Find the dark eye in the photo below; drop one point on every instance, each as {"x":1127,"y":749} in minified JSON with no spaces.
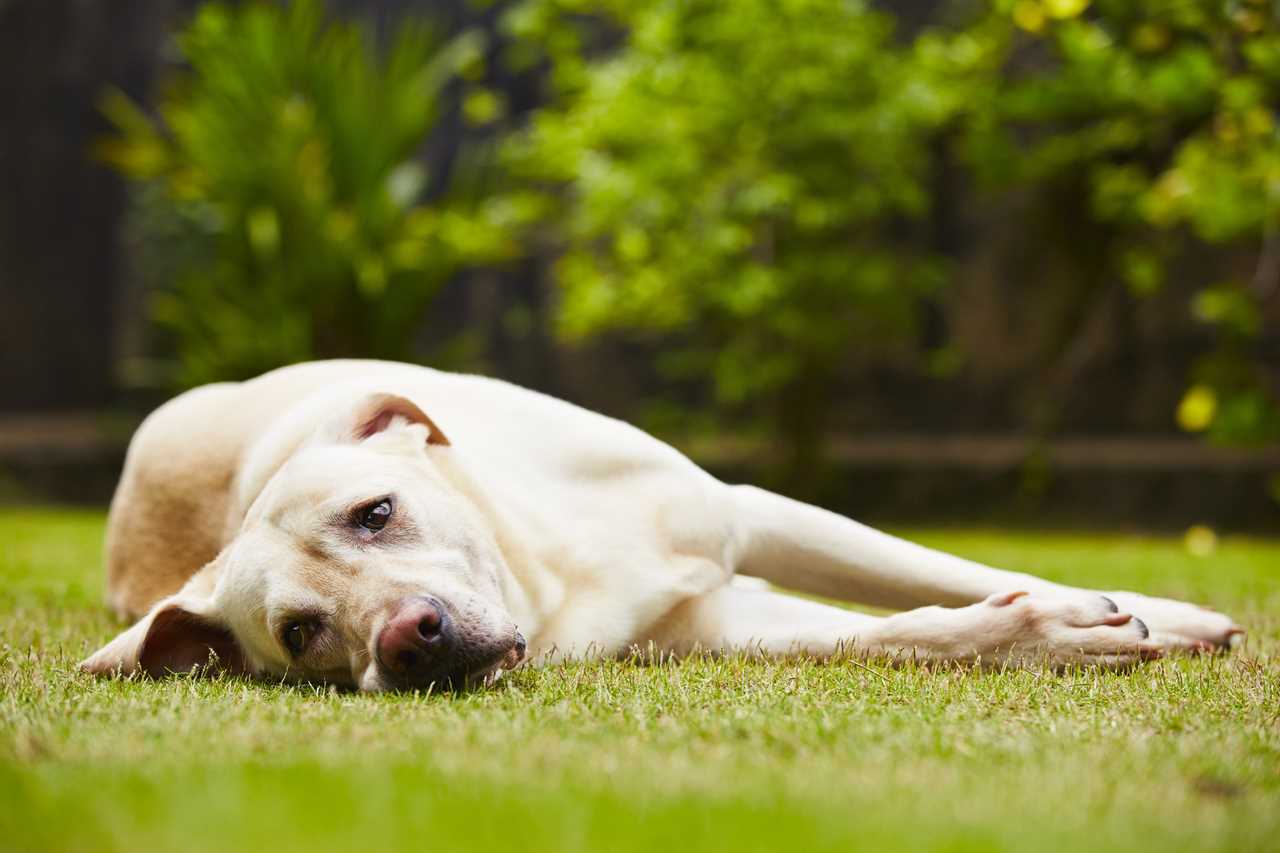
{"x":375,"y":516}
{"x":297,"y":636}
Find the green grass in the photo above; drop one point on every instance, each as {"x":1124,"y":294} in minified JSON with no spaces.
{"x":708,"y":754}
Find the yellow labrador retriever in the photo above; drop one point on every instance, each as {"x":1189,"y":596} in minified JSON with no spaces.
{"x":389,"y":526}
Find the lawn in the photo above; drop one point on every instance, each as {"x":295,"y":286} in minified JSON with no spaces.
{"x":707,"y":754}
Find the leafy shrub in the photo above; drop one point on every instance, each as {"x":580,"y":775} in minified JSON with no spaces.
{"x":752,"y":174}
{"x":1165,"y":115}
{"x":285,"y":168}
{"x":751,"y":181}
{"x":742,"y":175}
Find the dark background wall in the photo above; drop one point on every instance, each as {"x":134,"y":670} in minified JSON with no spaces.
{"x":60,"y":254}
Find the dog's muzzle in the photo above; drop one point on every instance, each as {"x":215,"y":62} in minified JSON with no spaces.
{"x":421,"y":645}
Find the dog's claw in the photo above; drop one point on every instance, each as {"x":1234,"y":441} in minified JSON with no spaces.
{"x":1180,"y":626}
{"x":1003,"y":599}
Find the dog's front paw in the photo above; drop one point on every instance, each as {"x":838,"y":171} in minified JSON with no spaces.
{"x":1177,"y":625}
{"x":1088,"y":630}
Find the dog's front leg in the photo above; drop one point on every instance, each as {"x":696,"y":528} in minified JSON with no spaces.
{"x":809,"y":549}
{"x":1004,"y":629}
{"x":1011,"y":628}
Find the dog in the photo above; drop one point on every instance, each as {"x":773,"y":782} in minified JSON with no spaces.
{"x":385,"y":526}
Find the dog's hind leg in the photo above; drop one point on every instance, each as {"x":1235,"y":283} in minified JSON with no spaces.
{"x":808,"y":549}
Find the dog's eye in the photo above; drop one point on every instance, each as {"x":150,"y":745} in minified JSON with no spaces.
{"x":375,"y":516}
{"x":297,"y":636}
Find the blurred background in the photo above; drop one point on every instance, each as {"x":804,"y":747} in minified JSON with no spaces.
{"x":982,"y":260}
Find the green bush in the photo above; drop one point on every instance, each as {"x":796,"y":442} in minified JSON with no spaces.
{"x":1164,"y":115}
{"x":751,"y":182}
{"x":749,"y":174}
{"x":285,"y":171}
{"x":743,"y":176}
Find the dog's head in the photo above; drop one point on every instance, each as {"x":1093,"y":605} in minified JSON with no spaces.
{"x":359,"y":562}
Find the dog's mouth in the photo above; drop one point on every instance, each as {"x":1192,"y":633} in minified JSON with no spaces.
{"x":488,"y":677}
{"x":488,"y":674}
{"x":473,"y":671}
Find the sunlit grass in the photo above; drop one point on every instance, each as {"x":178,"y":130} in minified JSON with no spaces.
{"x":707,"y":754}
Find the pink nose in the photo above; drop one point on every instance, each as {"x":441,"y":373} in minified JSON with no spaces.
{"x":417,"y":638}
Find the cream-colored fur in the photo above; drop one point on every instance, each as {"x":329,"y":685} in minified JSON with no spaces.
{"x":527,"y":516}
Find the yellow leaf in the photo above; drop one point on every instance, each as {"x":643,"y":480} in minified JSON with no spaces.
{"x":1197,"y":409}
{"x":1029,"y":15}
{"x":1063,"y":9}
{"x":482,"y":106}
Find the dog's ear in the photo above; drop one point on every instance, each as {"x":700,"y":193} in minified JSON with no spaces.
{"x":173,"y":638}
{"x":377,"y":412}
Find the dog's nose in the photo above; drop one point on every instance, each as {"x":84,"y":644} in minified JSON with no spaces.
{"x":417,"y":638}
